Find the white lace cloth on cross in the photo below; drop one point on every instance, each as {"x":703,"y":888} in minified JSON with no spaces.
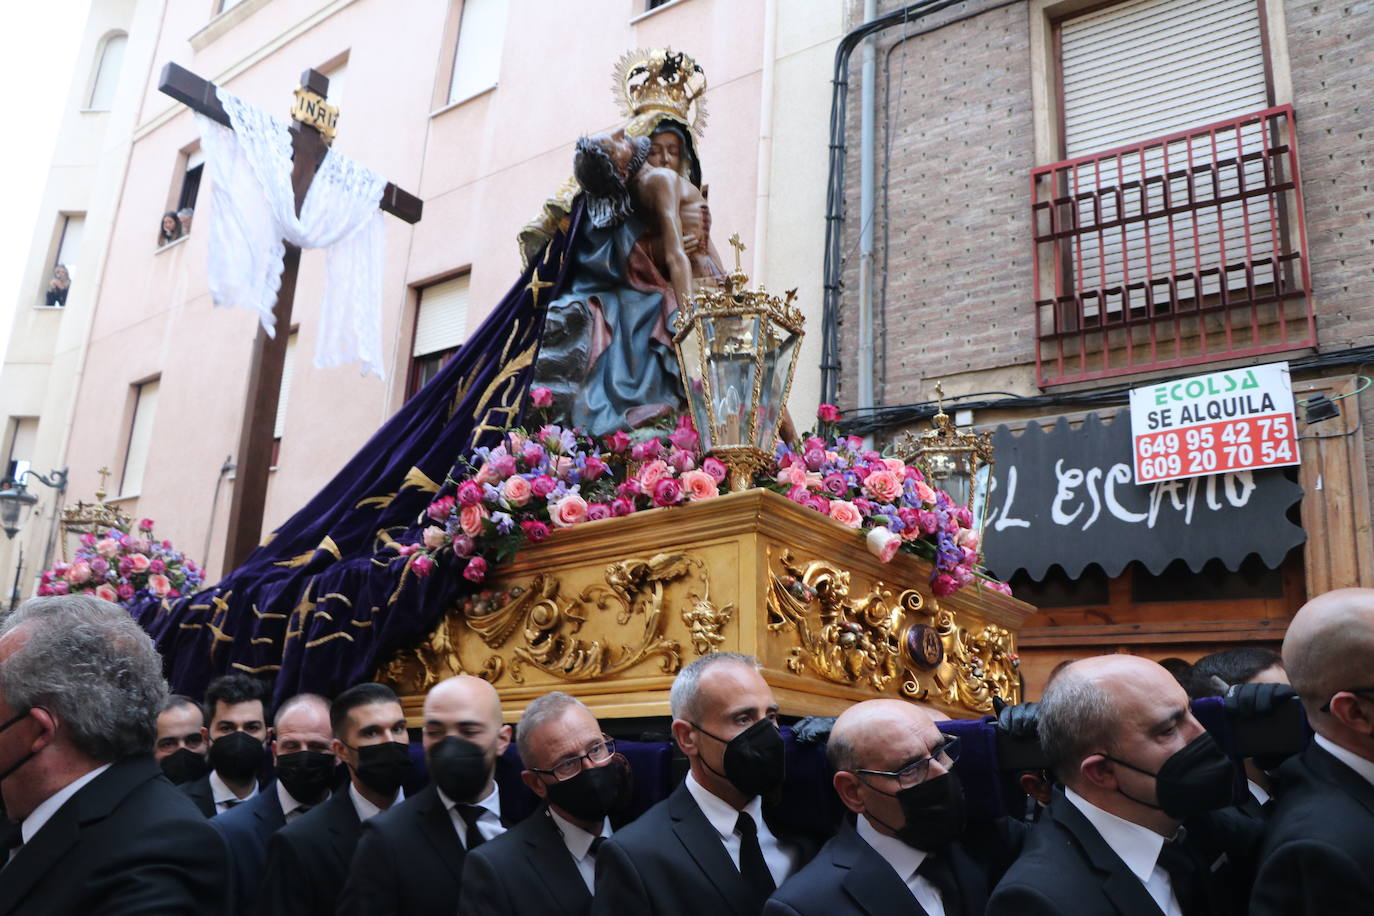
{"x":254,"y":213}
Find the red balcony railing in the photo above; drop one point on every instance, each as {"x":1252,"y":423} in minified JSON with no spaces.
{"x":1184,"y":249}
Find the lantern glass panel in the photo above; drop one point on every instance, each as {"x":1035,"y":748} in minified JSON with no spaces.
{"x":779,"y":351}
{"x":693,"y":373}
{"x":731,"y":361}
{"x":949,"y":472}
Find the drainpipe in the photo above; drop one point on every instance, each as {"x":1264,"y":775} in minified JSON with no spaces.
{"x":764,"y":178}
{"x":868,"y":101}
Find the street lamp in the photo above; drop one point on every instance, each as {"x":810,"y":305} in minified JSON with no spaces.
{"x":958,"y":463}
{"x":16,"y":501}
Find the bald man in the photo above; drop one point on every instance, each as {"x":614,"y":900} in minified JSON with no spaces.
{"x":1135,"y":765}
{"x":895,"y":771}
{"x":410,"y":859}
{"x":1319,"y":854}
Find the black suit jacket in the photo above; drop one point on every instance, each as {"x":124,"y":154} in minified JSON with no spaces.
{"x":1067,"y":867}
{"x":308,"y":859}
{"x":527,"y":870}
{"x":126,"y":842}
{"x":409,"y":861}
{"x":849,"y":877}
{"x":1319,"y":854}
{"x":671,"y":861}
{"x":199,"y":792}
{"x":247,"y":829}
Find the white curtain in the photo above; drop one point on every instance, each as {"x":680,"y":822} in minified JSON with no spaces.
{"x":254,"y":213}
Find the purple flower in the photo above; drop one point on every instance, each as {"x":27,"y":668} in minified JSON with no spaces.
{"x":503,"y":522}
{"x":598,"y":511}
{"x":463,"y":546}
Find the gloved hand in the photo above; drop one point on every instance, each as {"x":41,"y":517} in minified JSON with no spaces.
{"x":813,"y":729}
{"x":1019,"y":721}
{"x":1247,"y":701}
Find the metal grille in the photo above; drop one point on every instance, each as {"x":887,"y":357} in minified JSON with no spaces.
{"x":1183,"y":249}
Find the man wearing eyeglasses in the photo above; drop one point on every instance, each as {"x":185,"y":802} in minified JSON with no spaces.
{"x":547,"y":863}
{"x":410,"y":859}
{"x":1318,"y":856}
{"x":896,"y":772}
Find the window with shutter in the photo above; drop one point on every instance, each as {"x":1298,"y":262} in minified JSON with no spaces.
{"x":140,"y":438}
{"x":440,"y":326}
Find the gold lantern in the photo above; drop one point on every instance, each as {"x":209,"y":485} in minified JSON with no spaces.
{"x":960,"y":463}
{"x":737,"y":350}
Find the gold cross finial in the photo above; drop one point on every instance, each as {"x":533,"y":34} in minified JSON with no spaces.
{"x":739,"y":249}
{"x":104,"y":473}
{"x":940,"y":391}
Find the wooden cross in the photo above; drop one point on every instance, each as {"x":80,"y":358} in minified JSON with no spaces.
{"x":254,"y":458}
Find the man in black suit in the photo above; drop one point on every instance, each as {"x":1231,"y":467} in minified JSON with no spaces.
{"x":1134,"y":764}
{"x":895,"y":771}
{"x":98,"y":827}
{"x":180,"y":748}
{"x":707,"y":848}
{"x":410,"y":859}
{"x":308,"y":860}
{"x":303,"y":753}
{"x":546,"y":864}
{"x":237,"y":742}
{"x":1318,"y":856}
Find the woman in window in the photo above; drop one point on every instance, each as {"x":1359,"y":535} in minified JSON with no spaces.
{"x":57,"y":287}
{"x":171,"y":227}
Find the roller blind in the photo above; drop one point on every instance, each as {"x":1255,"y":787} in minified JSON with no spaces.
{"x":288,"y":372}
{"x":443,"y":316}
{"x":140,"y":439}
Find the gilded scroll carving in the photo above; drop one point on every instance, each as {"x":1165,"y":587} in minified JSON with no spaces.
{"x":977,"y":665}
{"x":413,"y":671}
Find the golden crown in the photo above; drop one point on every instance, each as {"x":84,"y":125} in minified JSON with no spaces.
{"x":655,"y":82}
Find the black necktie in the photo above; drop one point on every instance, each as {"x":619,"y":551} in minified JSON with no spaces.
{"x":229,"y":803}
{"x":1185,"y":876}
{"x":596,"y":846}
{"x":751,"y":863}
{"x":470,"y":814}
{"x":936,"y":870}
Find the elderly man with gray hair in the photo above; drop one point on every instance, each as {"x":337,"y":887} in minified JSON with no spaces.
{"x":1318,"y":856}
{"x":546,"y":863}
{"x":99,"y":829}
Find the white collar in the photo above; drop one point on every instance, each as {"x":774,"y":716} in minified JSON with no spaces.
{"x":40,"y":815}
{"x":575,"y":838}
{"x":287,"y":800}
{"x":364,"y":807}
{"x":221,"y":793}
{"x":1348,"y":757}
{"x":492,"y":801}
{"x":904,"y":859}
{"x":1137,"y":846}
{"x":1258,"y":792}
{"x":720,"y":813}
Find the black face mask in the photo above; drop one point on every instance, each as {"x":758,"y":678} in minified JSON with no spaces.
{"x":933,"y":812}
{"x":384,"y":767}
{"x":459,"y":768}
{"x":184,"y":765}
{"x":1197,"y":777}
{"x":307,"y":775}
{"x":236,"y":756}
{"x":22,"y":760}
{"x":595,"y":792}
{"x":753,"y":759}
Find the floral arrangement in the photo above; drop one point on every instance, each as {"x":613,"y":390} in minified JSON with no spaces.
{"x":537,"y":482}
{"x":121,"y":567}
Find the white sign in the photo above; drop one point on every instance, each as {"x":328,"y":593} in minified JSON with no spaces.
{"x":1236,"y":420}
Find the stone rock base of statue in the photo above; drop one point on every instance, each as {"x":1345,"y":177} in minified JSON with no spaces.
{"x":610,"y":611}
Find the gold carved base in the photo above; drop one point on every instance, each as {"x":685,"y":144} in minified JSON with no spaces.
{"x":611,"y":610}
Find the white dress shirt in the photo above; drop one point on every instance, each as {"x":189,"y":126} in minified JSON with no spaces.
{"x":1257,"y":792}
{"x":905,"y":860}
{"x":48,"y":807}
{"x":579,"y":843}
{"x":1137,"y":846}
{"x":1357,"y":763}
{"x":365,"y":808}
{"x":723,"y":816}
{"x":290,"y":808}
{"x":488,"y":823}
{"x":225,"y":797}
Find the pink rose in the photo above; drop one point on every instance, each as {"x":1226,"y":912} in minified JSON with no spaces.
{"x":699,"y":485}
{"x":968,"y":538}
{"x":835,"y":484}
{"x":107,"y":547}
{"x":79,"y":573}
{"x":667,"y":492}
{"x":560,"y":465}
{"x":652,"y":473}
{"x":139,"y":562}
{"x":532,"y":454}
{"x":883,"y":544}
{"x":516,"y":490}
{"x":828,"y":413}
{"x":896,"y":466}
{"x":924,"y":493}
{"x":126,"y":566}
{"x":792,"y":476}
{"x":813,"y":443}
{"x":965,"y":516}
{"x":541,"y":397}
{"x":597,"y":511}
{"x":629,"y":489}
{"x":682,"y":461}
{"x":476,"y":570}
{"x":471,"y":518}
{"x":107,"y":593}
{"x":813,"y":481}
{"x":543,"y":485}
{"x":715,"y":468}
{"x":884,"y":486}
{"x":504,"y":465}
{"x":441,"y":508}
{"x":125,"y":591}
{"x":469,"y":493}
{"x":463,"y":546}
{"x":88,"y":540}
{"x":942,"y":586}
{"x":620,"y":506}
{"x":406,"y":550}
{"x":44,"y":590}
{"x":846,"y":513}
{"x":568,"y":511}
{"x":617,"y":441}
{"x":486,"y":474}
{"x":593,"y":468}
{"x":798,"y":495}
{"x":145,"y":524}
{"x":422,"y":564}
{"x":814,"y":458}
{"x":685,"y":438}
{"x":435,"y":537}
{"x":60,"y":588}
{"x":1000,"y":587}
{"x":160,"y":585}
{"x":645,"y":451}
{"x":817,"y":504}
{"x":535,"y":531}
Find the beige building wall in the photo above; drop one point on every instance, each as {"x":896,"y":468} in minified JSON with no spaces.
{"x":483,"y":167}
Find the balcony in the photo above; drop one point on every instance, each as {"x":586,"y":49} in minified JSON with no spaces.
{"x":1176,"y":251}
